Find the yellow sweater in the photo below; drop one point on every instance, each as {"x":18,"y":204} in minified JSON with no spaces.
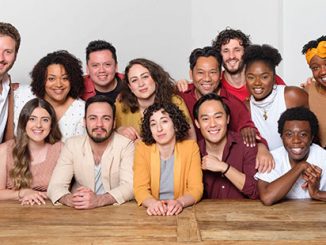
{"x":129,"y":119}
{"x":187,"y":171}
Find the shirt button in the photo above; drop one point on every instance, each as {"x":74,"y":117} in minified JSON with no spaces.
{"x":223,"y":186}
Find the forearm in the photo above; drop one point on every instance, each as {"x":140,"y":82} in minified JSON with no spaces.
{"x":276,"y":190}
{"x":7,"y":194}
{"x":236,"y":177}
{"x":67,"y":200}
{"x":320,"y":195}
{"x":105,"y":199}
{"x":148,"y":202}
{"x":186,"y":200}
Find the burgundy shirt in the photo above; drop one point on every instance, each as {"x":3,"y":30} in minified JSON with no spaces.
{"x":239,"y":114}
{"x":238,"y":156}
{"x":90,"y":91}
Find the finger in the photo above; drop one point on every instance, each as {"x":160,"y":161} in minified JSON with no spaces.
{"x":149,"y":212}
{"x":161,"y":209}
{"x":245,"y":140}
{"x":174,"y":209}
{"x":40,"y":199}
{"x":43,"y":195}
{"x":257,"y":163}
{"x":251,"y":135}
{"x":178,"y":211}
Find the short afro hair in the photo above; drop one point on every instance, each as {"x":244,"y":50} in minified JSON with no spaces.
{"x":177,"y":116}
{"x":265,"y":53}
{"x":299,"y":114}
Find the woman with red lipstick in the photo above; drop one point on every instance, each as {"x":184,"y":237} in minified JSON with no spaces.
{"x":27,"y":162}
{"x":268,"y":100}
{"x":145,"y":83}
{"x":167,"y":168}
{"x":58,"y":79}
{"x":315,"y":52}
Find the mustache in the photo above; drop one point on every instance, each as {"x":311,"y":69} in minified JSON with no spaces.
{"x":94,"y":129}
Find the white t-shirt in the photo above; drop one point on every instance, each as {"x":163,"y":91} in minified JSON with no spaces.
{"x":4,"y":105}
{"x":317,"y":156}
{"x":70,"y":124}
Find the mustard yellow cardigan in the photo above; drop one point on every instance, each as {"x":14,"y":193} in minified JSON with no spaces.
{"x":187,"y":171}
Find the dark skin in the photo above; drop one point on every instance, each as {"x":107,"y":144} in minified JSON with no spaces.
{"x":296,"y":135}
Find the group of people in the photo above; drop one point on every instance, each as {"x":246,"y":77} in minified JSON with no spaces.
{"x":105,"y":138}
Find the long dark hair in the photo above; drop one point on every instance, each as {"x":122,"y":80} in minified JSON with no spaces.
{"x":165,"y":87}
{"x":21,"y":174}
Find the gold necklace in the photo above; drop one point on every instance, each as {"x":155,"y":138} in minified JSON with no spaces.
{"x":265,"y":115}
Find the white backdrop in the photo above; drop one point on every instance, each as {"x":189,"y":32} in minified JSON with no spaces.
{"x":162,"y":30}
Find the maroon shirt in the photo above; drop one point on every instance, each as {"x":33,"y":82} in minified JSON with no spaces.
{"x":238,"y":156}
{"x":239,"y":114}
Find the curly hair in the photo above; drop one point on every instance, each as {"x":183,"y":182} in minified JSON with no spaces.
{"x":312,"y":44}
{"x":165,"y":87}
{"x":299,"y":114}
{"x":265,"y":53}
{"x":181,"y":126}
{"x":21,"y":174}
{"x":7,"y":29}
{"x":226,"y":35}
{"x":98,"y":45}
{"x":72,"y":65}
{"x":204,"y":52}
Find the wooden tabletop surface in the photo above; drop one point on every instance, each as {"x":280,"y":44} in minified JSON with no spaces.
{"x":209,"y":222}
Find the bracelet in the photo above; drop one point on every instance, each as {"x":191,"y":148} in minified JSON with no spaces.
{"x":226,"y":170}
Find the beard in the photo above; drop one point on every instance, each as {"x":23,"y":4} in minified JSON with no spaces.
{"x":235,"y":71}
{"x":99,"y":139}
{"x":2,"y":73}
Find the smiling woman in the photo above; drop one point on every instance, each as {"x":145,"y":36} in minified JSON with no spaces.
{"x":267,"y":99}
{"x":27,"y":162}
{"x":145,"y":83}
{"x":58,"y":79}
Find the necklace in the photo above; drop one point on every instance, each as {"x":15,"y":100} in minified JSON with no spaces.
{"x":266,"y":103}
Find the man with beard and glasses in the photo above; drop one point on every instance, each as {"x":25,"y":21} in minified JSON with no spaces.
{"x":100,"y":162}
{"x":9,"y":45}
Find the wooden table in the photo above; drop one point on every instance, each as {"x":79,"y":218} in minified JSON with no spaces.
{"x":206,"y":223}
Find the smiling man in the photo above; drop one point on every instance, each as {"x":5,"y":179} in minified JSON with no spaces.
{"x":299,"y":163}
{"x":9,"y":45}
{"x":232,"y":44}
{"x":100,"y":162}
{"x":102,"y":69}
{"x":228,"y":165}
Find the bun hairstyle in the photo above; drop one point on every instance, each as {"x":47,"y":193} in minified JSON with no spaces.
{"x":266,"y":53}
